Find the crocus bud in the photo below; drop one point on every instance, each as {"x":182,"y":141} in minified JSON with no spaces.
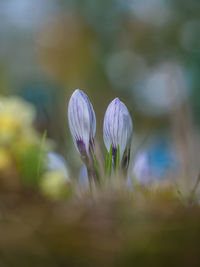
{"x":82,"y":122}
{"x":117,"y":131}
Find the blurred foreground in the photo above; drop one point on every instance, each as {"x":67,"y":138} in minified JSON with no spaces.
{"x":115,"y":228}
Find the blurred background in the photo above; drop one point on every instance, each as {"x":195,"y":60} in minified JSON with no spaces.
{"x":145,"y":52}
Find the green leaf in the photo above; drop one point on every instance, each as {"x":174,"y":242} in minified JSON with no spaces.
{"x":29,"y":159}
{"x":117,"y":159}
{"x":44,"y":136}
{"x":109,"y":161}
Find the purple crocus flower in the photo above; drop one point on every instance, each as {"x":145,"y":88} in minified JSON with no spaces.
{"x":117,"y":130}
{"x":82,"y":122}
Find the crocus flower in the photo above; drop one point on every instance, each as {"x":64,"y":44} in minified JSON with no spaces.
{"x":117,"y":130}
{"x":82,"y":122}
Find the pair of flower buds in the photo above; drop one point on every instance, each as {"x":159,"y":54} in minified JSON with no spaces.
{"x":117,"y":128}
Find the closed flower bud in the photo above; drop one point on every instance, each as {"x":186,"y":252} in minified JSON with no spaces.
{"x":117,"y":131}
{"x":82,"y":122}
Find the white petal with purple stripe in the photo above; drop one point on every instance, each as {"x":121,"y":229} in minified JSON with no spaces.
{"x":117,"y":127}
{"x":82,"y":121}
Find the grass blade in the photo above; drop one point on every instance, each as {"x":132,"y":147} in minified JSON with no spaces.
{"x":44,"y":136}
{"x":109,"y":161}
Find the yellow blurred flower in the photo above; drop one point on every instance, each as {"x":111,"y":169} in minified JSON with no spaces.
{"x":5,"y":159}
{"x":20,"y":142}
{"x":54,"y":185}
{"x":15,"y":117}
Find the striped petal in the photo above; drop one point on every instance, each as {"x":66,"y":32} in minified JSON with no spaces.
{"x":82,"y":121}
{"x":117,"y":127}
